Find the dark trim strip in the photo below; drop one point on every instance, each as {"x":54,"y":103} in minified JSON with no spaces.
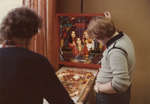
{"x":111,"y":41}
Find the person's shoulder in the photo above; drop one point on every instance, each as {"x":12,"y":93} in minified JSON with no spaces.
{"x":125,"y":36}
{"x":34,"y":55}
{"x":38,"y":55}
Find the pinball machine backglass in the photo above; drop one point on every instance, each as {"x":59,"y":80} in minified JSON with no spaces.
{"x":76,"y":48}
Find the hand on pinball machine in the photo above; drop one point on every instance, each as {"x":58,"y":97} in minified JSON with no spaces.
{"x":107,"y":14}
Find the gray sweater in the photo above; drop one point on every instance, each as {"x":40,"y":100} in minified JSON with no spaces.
{"x":117,"y":65}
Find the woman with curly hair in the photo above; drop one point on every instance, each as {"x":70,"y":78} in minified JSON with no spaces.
{"x":26,"y":77}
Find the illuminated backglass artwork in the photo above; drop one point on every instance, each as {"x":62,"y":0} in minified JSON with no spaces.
{"x":75,"y":45}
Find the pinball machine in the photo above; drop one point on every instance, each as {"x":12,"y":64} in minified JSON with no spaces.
{"x":79,"y":55}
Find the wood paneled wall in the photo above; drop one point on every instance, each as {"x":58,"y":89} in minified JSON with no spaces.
{"x":45,"y":42}
{"x":38,"y":43}
{"x":68,"y":6}
{"x":52,"y":37}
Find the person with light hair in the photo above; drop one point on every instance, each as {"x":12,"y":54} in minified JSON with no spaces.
{"x":114,"y":78}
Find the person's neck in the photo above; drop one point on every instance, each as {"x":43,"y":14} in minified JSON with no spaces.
{"x":21,"y":42}
{"x":116,"y":33}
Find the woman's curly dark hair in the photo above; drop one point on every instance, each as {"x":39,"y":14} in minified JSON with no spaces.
{"x":22,"y":23}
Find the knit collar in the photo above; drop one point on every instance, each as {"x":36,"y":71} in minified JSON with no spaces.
{"x":112,"y":40}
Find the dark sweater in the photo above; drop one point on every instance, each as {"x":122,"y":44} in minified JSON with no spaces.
{"x":27,"y":77}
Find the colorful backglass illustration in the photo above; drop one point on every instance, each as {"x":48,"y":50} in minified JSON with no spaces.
{"x":75,"y":43}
